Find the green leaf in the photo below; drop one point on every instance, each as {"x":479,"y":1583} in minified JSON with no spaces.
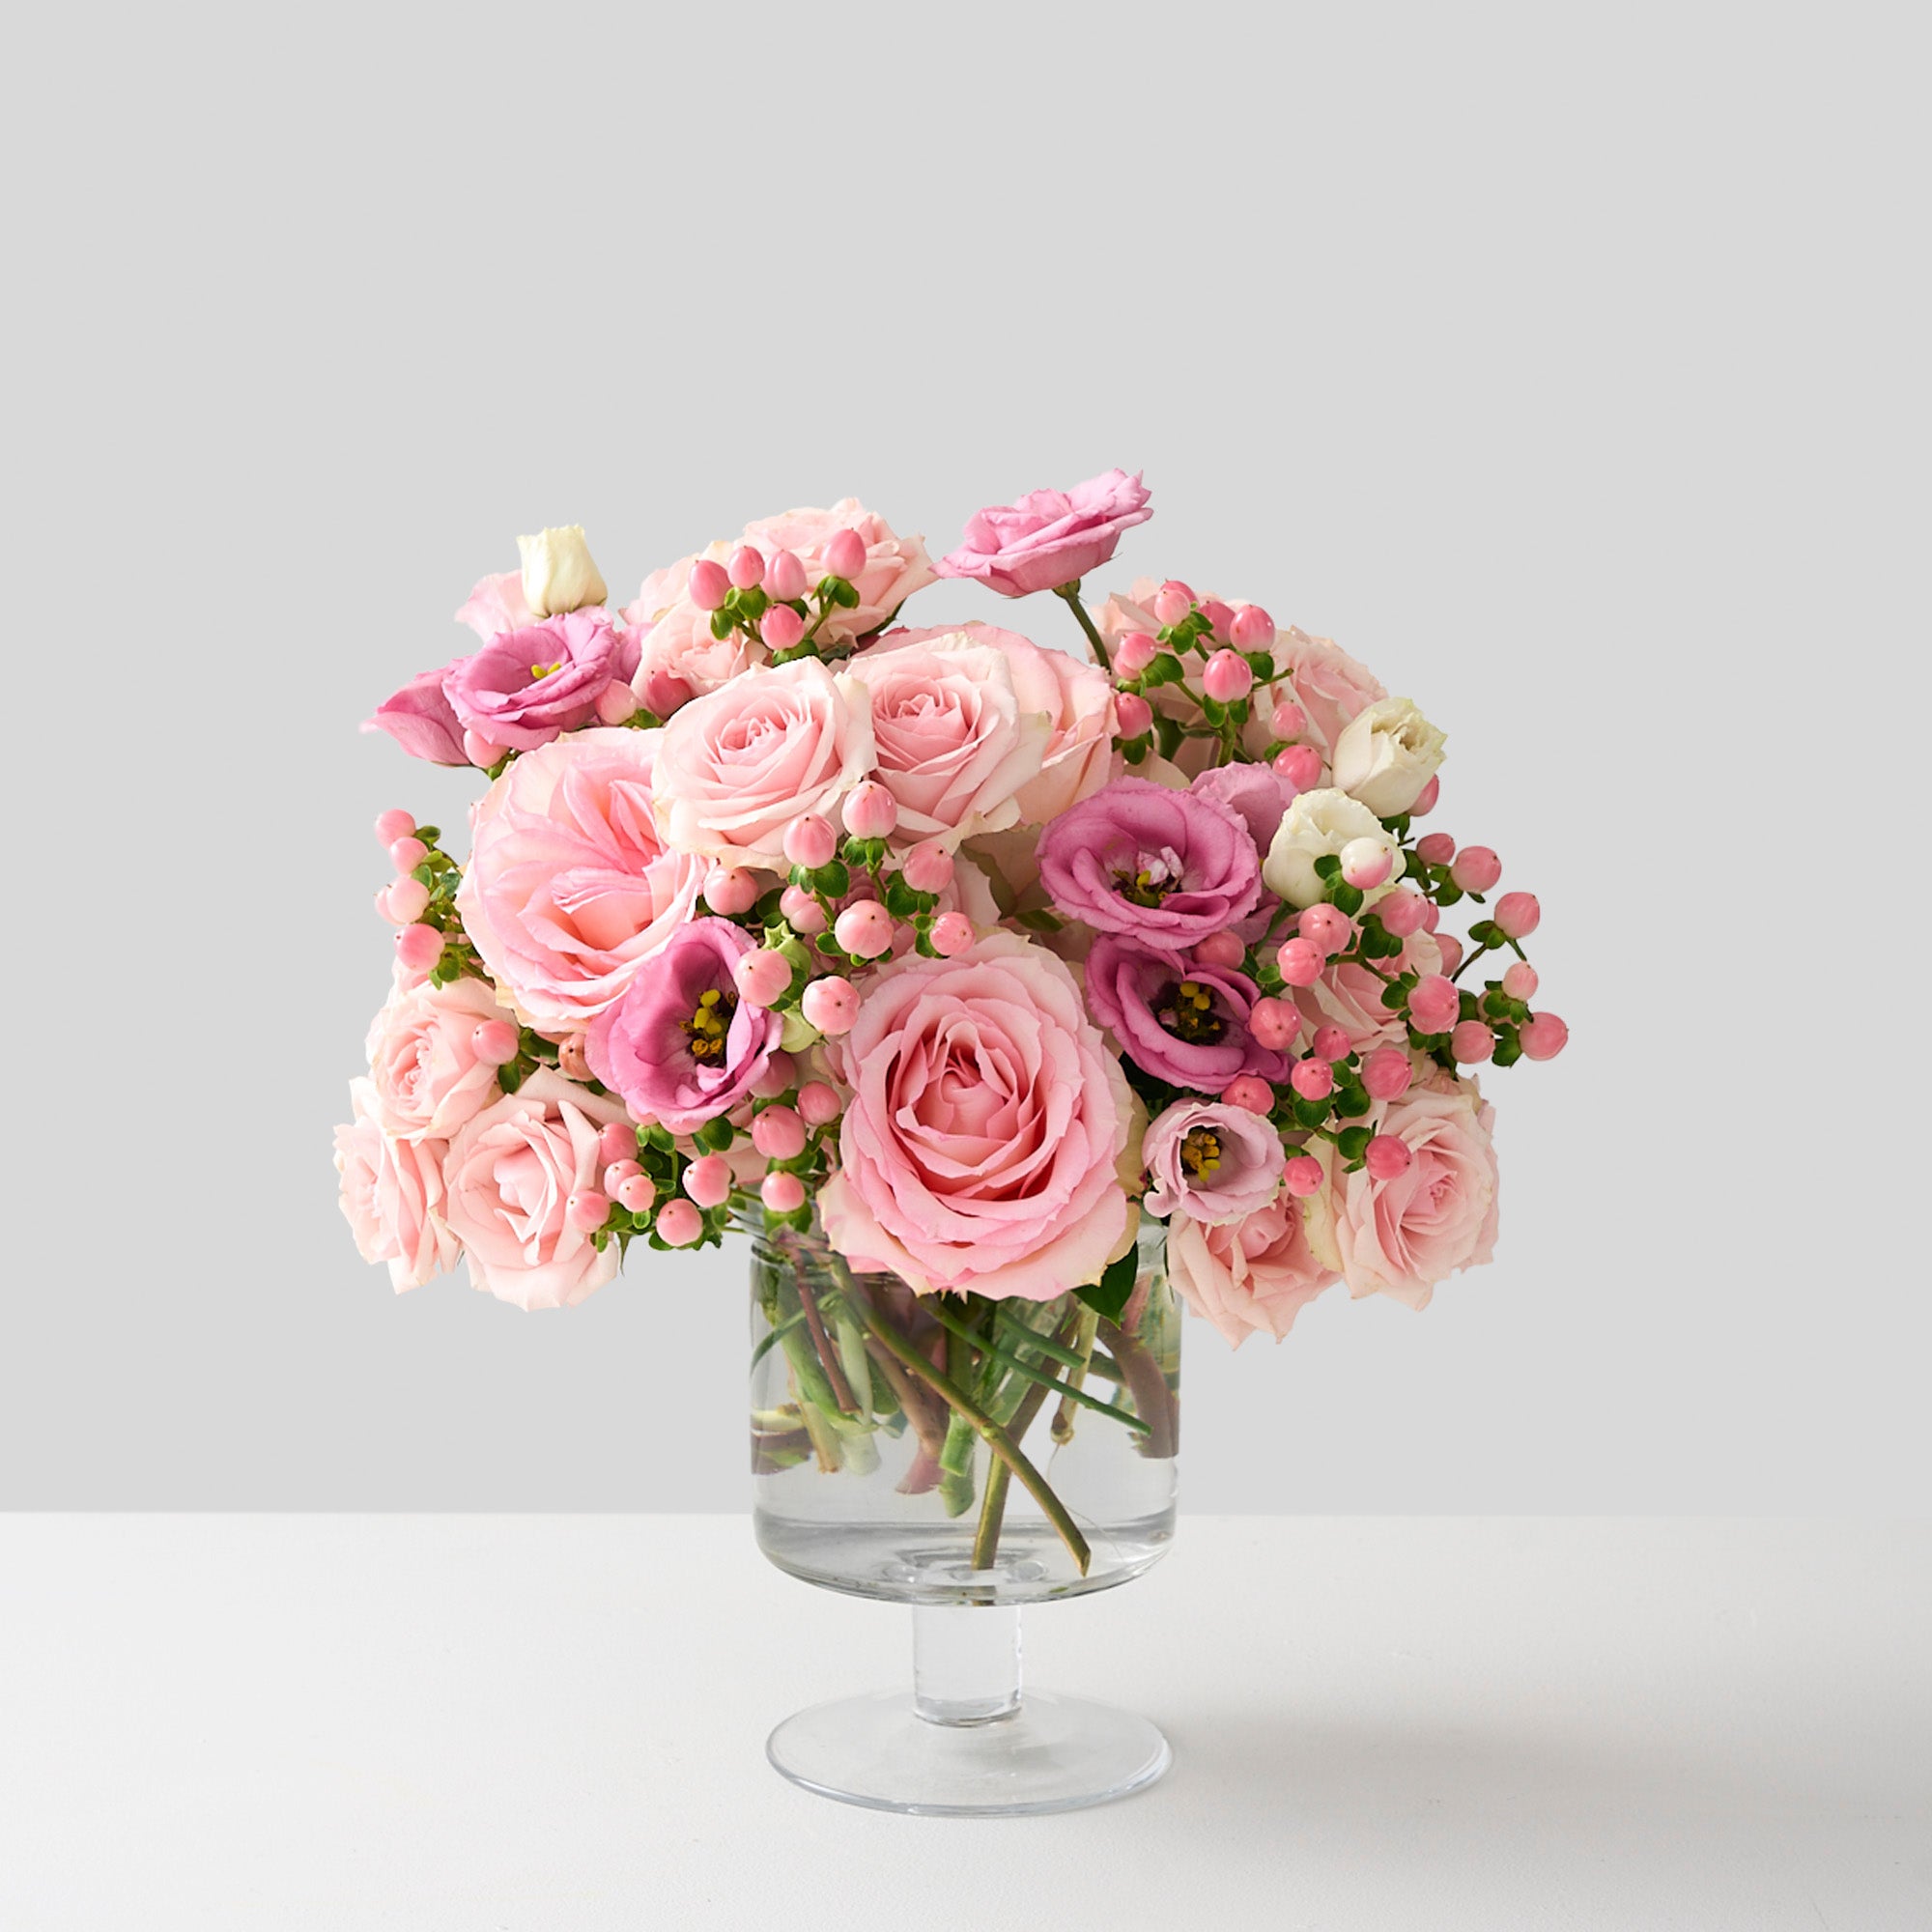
{"x":1346,"y":898}
{"x":1310,"y":1113}
{"x":1393,"y":998}
{"x":715,"y":1135}
{"x":1111,"y":1293}
{"x":1260,"y":664}
{"x":835,"y":881}
{"x":1327,"y":867}
{"x":510,"y":1077}
{"x":846,"y":595}
{"x":1352,"y":1143}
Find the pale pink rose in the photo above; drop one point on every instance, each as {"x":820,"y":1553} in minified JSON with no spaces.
{"x":571,"y":886}
{"x":951,"y":740}
{"x":509,"y":1172}
{"x":1329,"y":684}
{"x":675,"y":642}
{"x":894,"y":567}
{"x":1049,"y":537}
{"x":1349,"y":995}
{"x":392,"y":1193}
{"x":740,"y":765}
{"x":1249,"y":1277}
{"x":498,"y":605}
{"x":1403,"y":1236}
{"x":422,"y":1056}
{"x":988,"y":1128}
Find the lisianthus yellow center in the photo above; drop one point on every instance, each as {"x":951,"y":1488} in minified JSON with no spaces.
{"x":710,"y":1022}
{"x":544,"y":670}
{"x":1201,"y":1151}
{"x":1187,"y":1012}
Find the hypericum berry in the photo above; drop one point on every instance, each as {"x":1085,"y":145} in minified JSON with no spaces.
{"x":1432,"y":916}
{"x":1172,"y":600}
{"x":708,"y":584}
{"x":1300,"y":766}
{"x":1300,"y":962}
{"x":1402,"y":912}
{"x":392,"y":825}
{"x":1288,"y":719}
{"x":730,"y":890}
{"x":778,"y":1133}
{"x":586,"y":1211}
{"x":571,"y":1060}
{"x":407,"y":899}
{"x":1274,"y":1024}
{"x":1386,"y":1156}
{"x":418,"y":947}
{"x":781,"y":627}
{"x":1250,"y":1092}
{"x":746,"y":568}
{"x":1435,"y":848}
{"x":679,"y":1224}
{"x":830,"y":1004}
{"x":1519,"y":981}
{"x":762,"y":977}
{"x":1425,"y":798}
{"x":1327,"y":927}
{"x":780,"y":1076}
{"x":1544,"y":1037}
{"x":871,"y":811}
{"x":784,"y":578}
{"x":1387,"y":1074}
{"x":616,"y":1173}
{"x":1476,"y":868}
{"x":1220,"y":616}
{"x":665,"y":693}
{"x":496,"y":1042}
{"x":636,"y":1193}
{"x":616,"y":703}
{"x":865,"y":929}
{"x":1221,"y":948}
{"x":1312,"y":1079}
{"x":783,"y":1193}
{"x":844,"y":553}
{"x":1331,"y":1044}
{"x":818,"y":1104}
{"x":1133,"y":714}
{"x":951,"y":934}
{"x":708,"y":1180}
{"x":1433,"y":1004}
{"x":1517,"y":915}
{"x":618,"y":1142}
{"x":1451,"y":950}
{"x":810,"y":840}
{"x":803,"y":913}
{"x":1366,"y":862}
{"x":1303,"y":1175}
{"x":1228,"y":676}
{"x":1134,"y":653}
{"x":408,"y":853}
{"x":1471,"y":1043}
{"x":1253,"y":630}
{"x":482,"y":752}
{"x":928,"y":868}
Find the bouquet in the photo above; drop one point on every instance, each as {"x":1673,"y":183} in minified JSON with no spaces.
{"x":963,"y":954}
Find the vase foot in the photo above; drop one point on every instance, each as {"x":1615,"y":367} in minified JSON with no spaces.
{"x":1050,"y":1754}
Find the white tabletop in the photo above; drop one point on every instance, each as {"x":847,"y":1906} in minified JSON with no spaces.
{"x":558,"y":1723}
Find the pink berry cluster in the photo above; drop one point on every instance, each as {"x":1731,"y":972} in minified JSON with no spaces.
{"x":420,"y":900}
{"x":769,"y":598}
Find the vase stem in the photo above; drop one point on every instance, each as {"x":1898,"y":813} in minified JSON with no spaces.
{"x":965,"y":1662}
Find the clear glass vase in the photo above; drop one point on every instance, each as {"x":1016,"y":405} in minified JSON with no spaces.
{"x":964,"y":1456}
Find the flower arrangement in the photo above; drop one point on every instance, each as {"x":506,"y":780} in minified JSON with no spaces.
{"x":960,"y":951}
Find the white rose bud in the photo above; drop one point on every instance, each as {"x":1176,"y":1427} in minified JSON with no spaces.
{"x":558,"y":574}
{"x":1318,"y":823}
{"x":1385,"y":755}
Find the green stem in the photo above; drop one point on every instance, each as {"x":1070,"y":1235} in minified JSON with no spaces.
{"x":1021,"y":1366}
{"x":1148,"y":1387}
{"x":1070,"y":593}
{"x":828,"y":1356}
{"x":993,"y":1506}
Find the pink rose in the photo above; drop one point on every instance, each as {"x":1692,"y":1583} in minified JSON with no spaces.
{"x":1329,"y":684}
{"x":570,"y":886}
{"x":677,"y":648}
{"x":1049,"y":537}
{"x":497,"y":605}
{"x":1248,"y":1277}
{"x":508,"y":1174}
{"x":989,"y":1126}
{"x":422,"y":1057}
{"x":1404,"y":1236}
{"x":1214,"y":1163}
{"x":951,"y":742}
{"x":737,"y":767}
{"x":894,"y":566}
{"x":392,"y":1193}
{"x":1350,"y":996}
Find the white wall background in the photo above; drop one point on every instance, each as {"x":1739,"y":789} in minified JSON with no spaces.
{"x":1566,"y":364}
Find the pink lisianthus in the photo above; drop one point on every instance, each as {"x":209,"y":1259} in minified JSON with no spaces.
{"x":524,"y":687}
{"x":1248,"y":1277}
{"x":1256,"y":794}
{"x":1403,"y":1235}
{"x":497,"y":605}
{"x":1183,"y":1022}
{"x":680,"y":1045}
{"x":1349,"y":995}
{"x":1213,"y":1162}
{"x":392,"y":1193}
{"x":894,"y":566}
{"x":951,"y":742}
{"x":736,"y":768}
{"x":423,"y":1060}
{"x":1049,"y":537}
{"x":570,"y":886}
{"x":983,"y":1145}
{"x":420,"y":720}
{"x":509,"y":1174}
{"x":1329,"y":684}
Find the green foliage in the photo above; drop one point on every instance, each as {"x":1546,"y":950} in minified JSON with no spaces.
{"x":1111,"y":1293}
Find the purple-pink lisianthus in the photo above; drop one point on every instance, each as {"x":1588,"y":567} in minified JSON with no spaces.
{"x":1183,"y":1022}
{"x":419,"y":719}
{"x":680,"y":1045}
{"x":1216,"y":1163}
{"x":525,"y":687}
{"x":1049,"y":537}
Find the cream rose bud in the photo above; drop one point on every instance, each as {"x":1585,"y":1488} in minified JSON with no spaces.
{"x":1315,"y":824}
{"x":558,"y":574}
{"x":1385,"y":755}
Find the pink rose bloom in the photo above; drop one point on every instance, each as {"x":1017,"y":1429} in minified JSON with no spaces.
{"x":987,"y":1128}
{"x":1402,"y":1236}
{"x":524,"y":687}
{"x":681,"y":1046}
{"x":419,"y":719}
{"x":570,"y":886}
{"x":497,"y":605}
{"x":509,"y":1172}
{"x":736,"y":768}
{"x":393,"y":1194}
{"x":1213,"y":1162}
{"x":951,"y":742}
{"x":675,"y":646}
{"x":1248,"y":1277}
{"x":1350,"y":996}
{"x":422,"y":1057}
{"x":894,"y":566}
{"x":1329,"y":684}
{"x":1049,"y":537}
